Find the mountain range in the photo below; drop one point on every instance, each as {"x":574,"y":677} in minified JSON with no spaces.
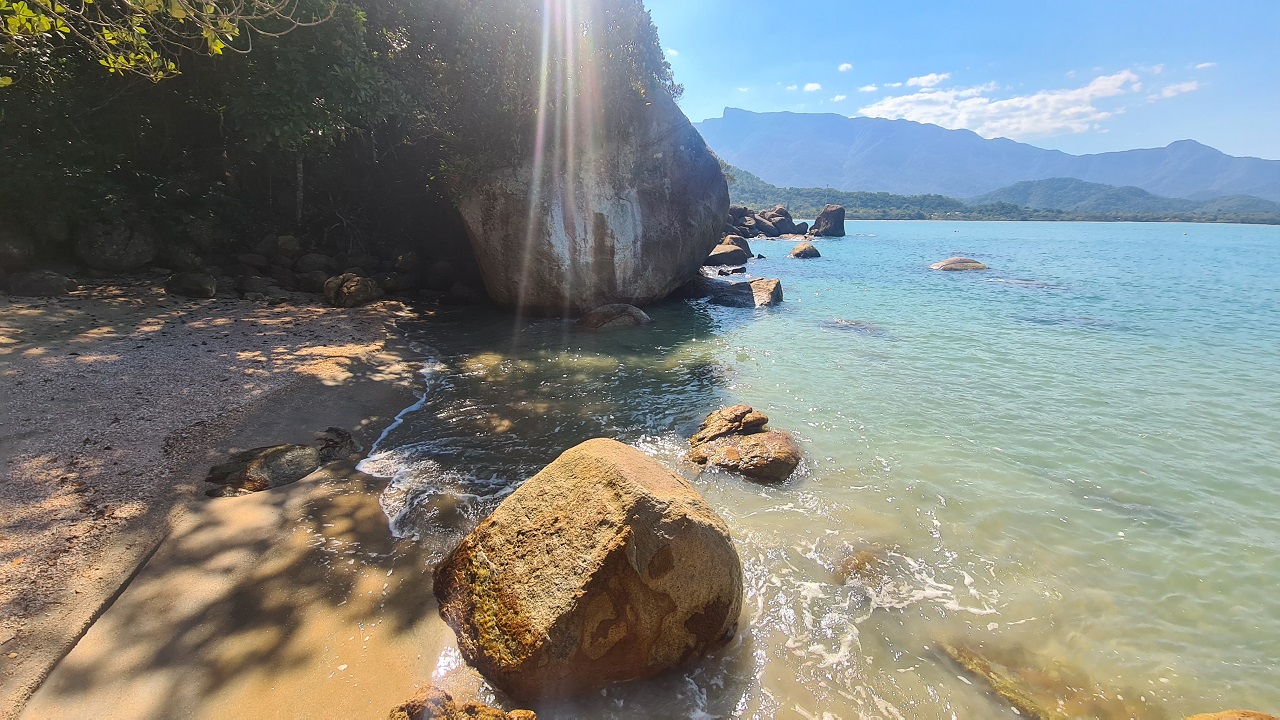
{"x":908,"y":158}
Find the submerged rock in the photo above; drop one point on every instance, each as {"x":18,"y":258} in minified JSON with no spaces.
{"x":1045,"y":690}
{"x":642,"y":213}
{"x":40,"y":283}
{"x":349,"y":290}
{"x":264,"y":468}
{"x":829,"y":223}
{"x":736,"y":439}
{"x":436,"y":704}
{"x":958,"y":263}
{"x":192,"y":284}
{"x":613,"y":316}
{"x":727,"y":255}
{"x":603,"y":567}
{"x":805,"y":250}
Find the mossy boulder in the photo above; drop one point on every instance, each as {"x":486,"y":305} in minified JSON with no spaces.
{"x":604,"y":567}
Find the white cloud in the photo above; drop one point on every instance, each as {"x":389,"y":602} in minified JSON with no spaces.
{"x":1158,"y":69}
{"x":1175,"y":90}
{"x":1206,"y":65}
{"x":792,"y":88}
{"x":672,"y":52}
{"x":812,"y":87}
{"x":845,"y":67}
{"x":868,"y":88}
{"x":893,"y":85}
{"x":746,"y":89}
{"x":839,"y":98}
{"x":1047,"y":112}
{"x":928,"y":81}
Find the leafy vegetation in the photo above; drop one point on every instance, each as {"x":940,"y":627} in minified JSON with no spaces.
{"x":747,"y":189}
{"x":1074,"y":195}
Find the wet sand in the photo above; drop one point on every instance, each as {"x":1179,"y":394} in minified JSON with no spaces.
{"x":117,"y":398}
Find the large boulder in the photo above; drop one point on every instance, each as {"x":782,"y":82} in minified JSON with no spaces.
{"x":312,"y":262}
{"x":758,"y":293}
{"x":623,"y":221}
{"x":616,"y":315}
{"x":192,"y":284}
{"x":737,"y":241}
{"x":829,"y":223}
{"x":805,"y":250}
{"x":116,"y":247}
{"x":738,"y":439}
{"x":958,"y":263}
{"x":264,"y":468}
{"x":40,"y":283}
{"x":603,"y":567}
{"x":349,"y":290}
{"x":727,"y":255}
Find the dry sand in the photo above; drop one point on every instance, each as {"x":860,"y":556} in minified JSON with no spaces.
{"x":113,"y":403}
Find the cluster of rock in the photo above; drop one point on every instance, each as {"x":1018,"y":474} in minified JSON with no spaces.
{"x":737,"y":438}
{"x":777,"y":222}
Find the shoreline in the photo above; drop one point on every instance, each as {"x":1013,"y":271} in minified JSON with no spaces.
{"x":118,"y":399}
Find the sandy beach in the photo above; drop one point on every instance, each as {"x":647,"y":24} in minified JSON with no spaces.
{"x":117,"y":399}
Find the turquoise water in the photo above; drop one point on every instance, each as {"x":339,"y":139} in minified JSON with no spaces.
{"x":1073,"y":456}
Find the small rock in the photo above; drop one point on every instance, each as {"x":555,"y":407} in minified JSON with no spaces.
{"x":805,"y":250}
{"x":347,"y":291}
{"x":735,"y":438}
{"x":727,"y":255}
{"x":41,"y":283}
{"x":616,"y":315}
{"x":829,"y":223}
{"x":337,"y":444}
{"x":265,"y":467}
{"x":958,"y":263}
{"x":436,"y":704}
{"x":192,"y":284}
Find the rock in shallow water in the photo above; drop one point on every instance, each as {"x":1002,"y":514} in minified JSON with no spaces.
{"x":958,"y":263}
{"x":265,"y":468}
{"x":616,"y":315}
{"x":805,"y":250}
{"x":727,"y":255}
{"x":436,"y":704}
{"x":603,"y":567}
{"x":829,"y":223}
{"x":735,"y":438}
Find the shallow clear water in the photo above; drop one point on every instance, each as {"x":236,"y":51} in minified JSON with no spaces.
{"x":1074,"y":455}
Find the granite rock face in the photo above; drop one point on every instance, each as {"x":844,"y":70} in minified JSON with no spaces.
{"x":603,"y":567}
{"x":631,"y":222}
{"x":805,"y":250}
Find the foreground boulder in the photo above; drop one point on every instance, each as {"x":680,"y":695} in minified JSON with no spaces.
{"x":829,"y":223}
{"x":758,"y":293}
{"x":727,"y":255}
{"x":349,"y":290}
{"x":436,"y":704}
{"x":736,"y":438}
{"x":192,"y":284}
{"x":264,"y":468}
{"x":644,"y":210}
{"x":41,"y":283}
{"x":603,"y":567}
{"x":613,"y":316}
{"x":805,"y":250}
{"x":958,"y":263}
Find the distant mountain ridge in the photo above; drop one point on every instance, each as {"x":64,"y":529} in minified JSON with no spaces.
{"x":909,"y":158}
{"x":1080,"y":196}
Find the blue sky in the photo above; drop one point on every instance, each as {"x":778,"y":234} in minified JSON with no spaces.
{"x":1081,"y":75}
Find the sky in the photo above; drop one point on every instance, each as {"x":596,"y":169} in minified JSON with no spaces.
{"x":1082,"y":76}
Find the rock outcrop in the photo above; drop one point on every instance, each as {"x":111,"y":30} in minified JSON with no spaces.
{"x":350,"y":290}
{"x":264,"y":468}
{"x":758,"y":293}
{"x":617,"y":315}
{"x":829,"y":223}
{"x":436,"y":704}
{"x":603,"y":567}
{"x":958,"y":263}
{"x":633,"y":219}
{"x":727,"y":255}
{"x":805,"y":250}
{"x":40,"y":283}
{"x":736,"y":438}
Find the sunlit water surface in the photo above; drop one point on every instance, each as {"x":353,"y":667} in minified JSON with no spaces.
{"x":1073,"y":456}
